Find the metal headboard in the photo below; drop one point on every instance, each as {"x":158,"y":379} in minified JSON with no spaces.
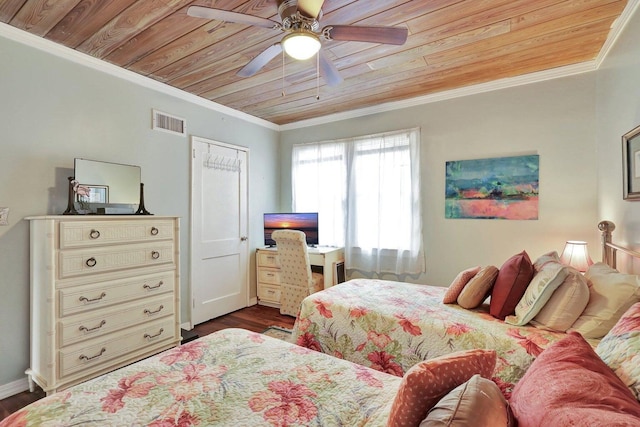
{"x":610,"y":250}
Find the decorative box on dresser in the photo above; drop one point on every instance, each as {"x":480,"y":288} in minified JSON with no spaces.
{"x":104,"y":293}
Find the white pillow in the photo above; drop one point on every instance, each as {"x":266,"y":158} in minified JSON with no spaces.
{"x":611,"y":294}
{"x":565,"y":305}
{"x":544,"y":259}
{"x":539,"y":291}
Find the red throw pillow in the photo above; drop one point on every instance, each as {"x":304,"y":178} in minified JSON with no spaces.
{"x":427,"y":382}
{"x":569,"y":385}
{"x":513,"y":278}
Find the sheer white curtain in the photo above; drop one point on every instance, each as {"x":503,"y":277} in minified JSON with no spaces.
{"x":319,"y":180}
{"x":368,"y":190}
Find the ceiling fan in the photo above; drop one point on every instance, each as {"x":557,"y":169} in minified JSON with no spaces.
{"x":300,"y":21}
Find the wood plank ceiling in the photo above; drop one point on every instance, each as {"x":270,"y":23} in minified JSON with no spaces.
{"x":451,"y":44}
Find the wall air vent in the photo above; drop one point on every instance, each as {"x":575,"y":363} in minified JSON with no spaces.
{"x":167,"y":123}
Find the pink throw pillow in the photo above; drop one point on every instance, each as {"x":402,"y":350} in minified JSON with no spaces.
{"x":568,"y":384}
{"x":427,"y":382}
{"x":512,"y":281}
{"x":458,"y":284}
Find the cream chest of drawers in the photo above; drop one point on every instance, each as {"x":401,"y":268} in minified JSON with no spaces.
{"x":104,"y":293}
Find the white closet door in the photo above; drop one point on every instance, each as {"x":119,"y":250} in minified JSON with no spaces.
{"x":219,"y":245}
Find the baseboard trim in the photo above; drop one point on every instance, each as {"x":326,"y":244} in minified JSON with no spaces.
{"x":186,"y":326}
{"x":12,"y":388}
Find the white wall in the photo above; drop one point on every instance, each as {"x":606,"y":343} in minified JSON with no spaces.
{"x":53,"y":110}
{"x":555,"y":119}
{"x":618,"y":111}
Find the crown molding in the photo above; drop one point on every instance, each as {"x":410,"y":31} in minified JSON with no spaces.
{"x":48,"y":46}
{"x":40,"y":43}
{"x":616,"y":29}
{"x":540,"y":76}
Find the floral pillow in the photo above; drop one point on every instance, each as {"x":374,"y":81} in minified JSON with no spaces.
{"x":620,"y":349}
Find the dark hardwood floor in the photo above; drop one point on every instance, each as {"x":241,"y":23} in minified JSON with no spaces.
{"x":256,"y":318}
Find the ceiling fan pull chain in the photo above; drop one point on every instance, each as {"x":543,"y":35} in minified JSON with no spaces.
{"x":283,"y":94}
{"x":318,"y":76}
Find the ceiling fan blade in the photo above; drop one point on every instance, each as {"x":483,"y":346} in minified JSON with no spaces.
{"x":310,"y":8}
{"x":260,"y":61}
{"x":328,"y":70}
{"x":386,"y":35}
{"x":228,"y":16}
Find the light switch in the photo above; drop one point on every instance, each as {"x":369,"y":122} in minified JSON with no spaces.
{"x":4,"y":216}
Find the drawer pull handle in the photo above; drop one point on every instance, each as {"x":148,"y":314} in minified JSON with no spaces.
{"x":85,"y":299}
{"x":147,"y":336}
{"x":94,"y":234}
{"x":147,"y":311}
{"x":160,"y":283}
{"x":154,"y":231}
{"x":91,"y":262}
{"x":83,"y":357}
{"x":85,"y":329}
{"x":155,"y":254}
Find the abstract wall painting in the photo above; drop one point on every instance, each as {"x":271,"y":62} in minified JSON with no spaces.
{"x":495,"y":188}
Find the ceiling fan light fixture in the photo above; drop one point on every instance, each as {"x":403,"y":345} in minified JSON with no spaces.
{"x":301,"y":44}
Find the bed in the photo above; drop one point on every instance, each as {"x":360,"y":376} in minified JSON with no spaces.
{"x":390,"y":326}
{"x":236,"y":377}
{"x":232,"y":377}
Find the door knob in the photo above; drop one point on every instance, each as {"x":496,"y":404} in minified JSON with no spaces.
{"x":243,"y":238}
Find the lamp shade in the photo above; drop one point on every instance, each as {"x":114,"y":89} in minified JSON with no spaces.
{"x":301,"y":44}
{"x":575,"y":254}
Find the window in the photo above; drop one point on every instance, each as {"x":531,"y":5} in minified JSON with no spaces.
{"x":367,"y":193}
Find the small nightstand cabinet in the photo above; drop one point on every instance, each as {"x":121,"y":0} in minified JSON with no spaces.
{"x":326,"y":258}
{"x":104,"y":293}
{"x":268,"y":277}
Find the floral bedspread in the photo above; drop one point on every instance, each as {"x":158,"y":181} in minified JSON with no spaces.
{"x":391,"y":326}
{"x":230,"y":378}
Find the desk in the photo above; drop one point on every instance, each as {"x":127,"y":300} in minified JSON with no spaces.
{"x":324,"y":258}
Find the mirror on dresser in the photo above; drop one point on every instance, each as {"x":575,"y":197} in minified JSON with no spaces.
{"x":99,"y":187}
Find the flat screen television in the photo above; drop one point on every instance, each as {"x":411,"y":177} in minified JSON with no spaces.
{"x":306,"y":222}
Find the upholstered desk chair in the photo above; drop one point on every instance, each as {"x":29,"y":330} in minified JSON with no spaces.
{"x":296,"y":279}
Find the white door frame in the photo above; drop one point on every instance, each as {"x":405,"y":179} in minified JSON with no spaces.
{"x":199,"y":139}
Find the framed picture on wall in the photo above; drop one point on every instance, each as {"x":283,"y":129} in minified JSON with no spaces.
{"x":631,"y":164}
{"x":493,"y":188}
